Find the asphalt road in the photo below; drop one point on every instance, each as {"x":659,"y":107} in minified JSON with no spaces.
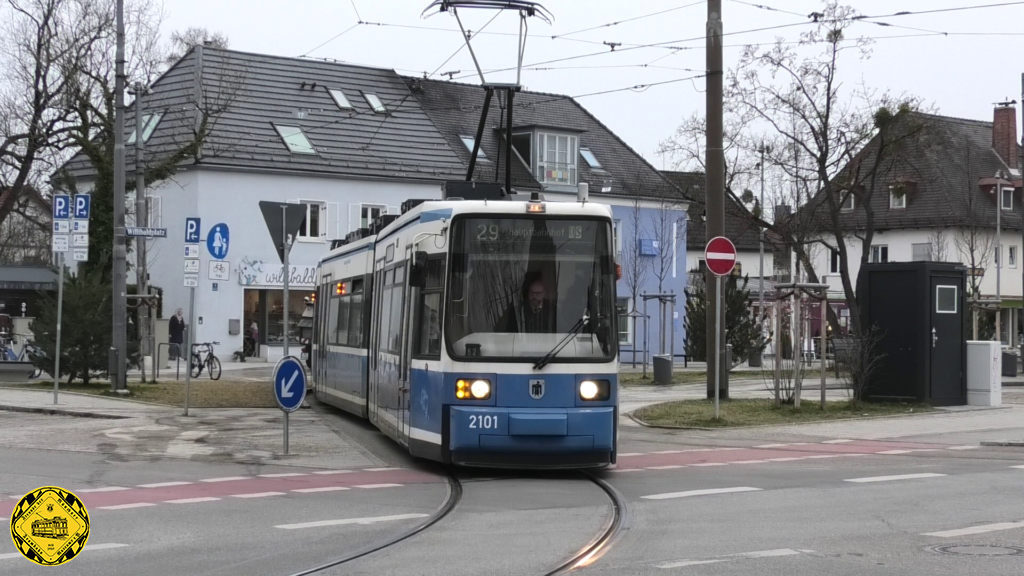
{"x":748,"y":503}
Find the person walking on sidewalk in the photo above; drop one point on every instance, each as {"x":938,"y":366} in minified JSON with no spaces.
{"x":176,"y":332}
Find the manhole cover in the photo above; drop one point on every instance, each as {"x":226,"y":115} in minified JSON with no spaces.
{"x":975,"y":550}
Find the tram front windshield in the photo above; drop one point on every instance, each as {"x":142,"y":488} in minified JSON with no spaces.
{"x":521,"y":287}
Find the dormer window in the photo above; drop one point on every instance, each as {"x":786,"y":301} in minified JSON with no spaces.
{"x":1007,"y":198}
{"x":897,"y":198}
{"x":847,"y":202}
{"x":556,"y":159}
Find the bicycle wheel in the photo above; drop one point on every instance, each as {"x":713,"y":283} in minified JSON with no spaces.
{"x":213,"y":366}
{"x":197,"y":366}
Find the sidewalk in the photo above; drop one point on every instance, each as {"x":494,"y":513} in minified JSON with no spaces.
{"x":135,"y":429}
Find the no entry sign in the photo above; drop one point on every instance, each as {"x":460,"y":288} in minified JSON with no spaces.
{"x":720,"y":255}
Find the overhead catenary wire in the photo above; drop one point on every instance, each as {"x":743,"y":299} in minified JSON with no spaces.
{"x":610,"y":24}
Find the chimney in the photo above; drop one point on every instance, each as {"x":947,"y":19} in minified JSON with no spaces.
{"x":1004,"y":133}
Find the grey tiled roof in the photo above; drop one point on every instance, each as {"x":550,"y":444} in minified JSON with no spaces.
{"x":738,"y":225}
{"x":944,"y":165}
{"x":456,"y":108}
{"x":417,"y":139}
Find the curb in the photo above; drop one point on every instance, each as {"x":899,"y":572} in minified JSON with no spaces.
{"x":937,"y":412}
{"x":59,"y":412}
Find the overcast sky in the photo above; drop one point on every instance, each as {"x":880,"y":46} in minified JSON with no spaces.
{"x":960,"y":74}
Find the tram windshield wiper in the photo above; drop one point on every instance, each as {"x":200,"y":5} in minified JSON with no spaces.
{"x":576,"y":329}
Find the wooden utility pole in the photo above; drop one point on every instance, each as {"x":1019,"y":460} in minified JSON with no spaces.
{"x":714,"y":191}
{"x":141,"y":220}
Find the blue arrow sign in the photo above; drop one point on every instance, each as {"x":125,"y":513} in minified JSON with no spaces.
{"x":217,"y":241}
{"x":289,"y":383}
{"x":192,"y":230}
{"x":82,"y":204}
{"x":61,"y":207}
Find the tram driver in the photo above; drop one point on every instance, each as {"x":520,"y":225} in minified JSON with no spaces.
{"x":536,"y":315}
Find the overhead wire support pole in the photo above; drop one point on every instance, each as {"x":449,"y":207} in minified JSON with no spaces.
{"x":141,"y":270}
{"x":508,"y":143}
{"x":479,"y":134}
{"x":120,"y":265}
{"x":715,"y":183}
{"x":470,"y":46}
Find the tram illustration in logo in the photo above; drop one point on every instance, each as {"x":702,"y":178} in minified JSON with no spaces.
{"x":55,"y":527}
{"x":50,"y":526}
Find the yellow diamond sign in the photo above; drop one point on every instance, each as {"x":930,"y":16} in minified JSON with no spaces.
{"x":50,"y":526}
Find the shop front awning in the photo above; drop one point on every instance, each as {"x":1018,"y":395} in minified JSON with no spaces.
{"x":33,"y":278}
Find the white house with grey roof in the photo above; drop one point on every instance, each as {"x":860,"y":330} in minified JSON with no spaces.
{"x":350,"y":143}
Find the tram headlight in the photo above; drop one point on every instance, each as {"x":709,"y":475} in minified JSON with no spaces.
{"x":473,"y":389}
{"x":595,"y":390}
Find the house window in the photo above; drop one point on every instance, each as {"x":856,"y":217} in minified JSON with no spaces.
{"x":617,"y":240}
{"x":847,"y":202}
{"x":1013,"y":256}
{"x":556,"y":159}
{"x":522,"y":144}
{"x":370,"y":212}
{"x":879,"y":254}
{"x":922,"y":252}
{"x":1007,"y":196}
{"x":833,"y":267}
{"x":295,"y":139}
{"x":340,"y":99}
{"x":591,"y":159}
{"x":154,"y":212}
{"x":312,"y":224}
{"x":375,"y":103}
{"x":622,"y":310}
{"x":149,"y":122}
{"x":897,"y":201}
{"x":469,"y":141}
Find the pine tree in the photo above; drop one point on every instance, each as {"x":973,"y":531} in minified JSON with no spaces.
{"x":740,"y":325}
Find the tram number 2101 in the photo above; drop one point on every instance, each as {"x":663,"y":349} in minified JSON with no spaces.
{"x":485,"y":422}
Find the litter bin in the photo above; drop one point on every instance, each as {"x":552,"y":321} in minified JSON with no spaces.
{"x":662,"y":369}
{"x":754,"y":359}
{"x":1009,"y":364}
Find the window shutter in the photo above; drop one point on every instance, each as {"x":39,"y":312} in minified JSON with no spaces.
{"x":330,"y":230}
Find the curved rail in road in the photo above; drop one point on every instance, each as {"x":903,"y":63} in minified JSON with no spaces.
{"x":617,"y":523}
{"x":451,"y":501}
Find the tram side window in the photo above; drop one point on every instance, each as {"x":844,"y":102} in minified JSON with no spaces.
{"x":332,"y":324}
{"x":429,"y":316}
{"x":394,"y":344}
{"x":342,"y":335}
{"x":355,"y":322}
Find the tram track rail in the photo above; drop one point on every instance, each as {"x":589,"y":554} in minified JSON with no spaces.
{"x":451,"y":501}
{"x":618,"y":522}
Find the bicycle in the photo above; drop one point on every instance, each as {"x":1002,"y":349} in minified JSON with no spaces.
{"x":210,"y":362}
{"x":28,"y":350}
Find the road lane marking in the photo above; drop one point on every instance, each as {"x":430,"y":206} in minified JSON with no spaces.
{"x":772,"y":446}
{"x":334,"y":472}
{"x":627,"y":454}
{"x":126,"y":506}
{"x":819,"y":456}
{"x":900,"y":477}
{"x":668,"y":452}
{"x":665,"y":467}
{"x":379,"y":469}
{"x":894,"y":452}
{"x":370,"y":486}
{"x":321,"y":489}
{"x":106,"y":489}
{"x":730,"y":557}
{"x":749,"y":462}
{"x":226,"y":479}
{"x":258,"y":495}
{"x":282,"y":475}
{"x":372,"y":520}
{"x":708,"y":492}
{"x":837,"y":441}
{"x":962,"y":447}
{"x":1018,"y":467}
{"x":192,"y":500}
{"x":621,"y":470}
{"x":163,"y":484}
{"x":976,"y":530}
{"x":88,"y":547}
{"x":710,"y":464}
{"x":784,"y":459}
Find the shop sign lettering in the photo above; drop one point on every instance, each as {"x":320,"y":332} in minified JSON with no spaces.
{"x":256,"y":272}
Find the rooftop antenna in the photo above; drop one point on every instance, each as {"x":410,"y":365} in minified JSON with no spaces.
{"x":1006,"y":104}
{"x":526,"y":8}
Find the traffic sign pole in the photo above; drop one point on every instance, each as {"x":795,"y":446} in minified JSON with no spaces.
{"x":192,"y":227}
{"x":718,"y":341}
{"x":289,"y":388}
{"x":60,"y":312}
{"x":720,"y":256}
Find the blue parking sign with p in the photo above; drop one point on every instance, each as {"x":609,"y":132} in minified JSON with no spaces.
{"x":82,"y":204}
{"x":192,"y":230}
{"x":61,"y":207}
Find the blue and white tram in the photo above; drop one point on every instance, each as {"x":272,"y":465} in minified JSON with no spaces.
{"x":477,"y":333}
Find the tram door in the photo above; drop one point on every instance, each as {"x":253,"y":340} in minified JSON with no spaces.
{"x":373,"y":362}
{"x":403,"y":369}
{"x":322,"y":335}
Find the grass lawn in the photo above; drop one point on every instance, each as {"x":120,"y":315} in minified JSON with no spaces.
{"x":700,"y":413}
{"x":203,"y":392}
{"x":696,"y":377}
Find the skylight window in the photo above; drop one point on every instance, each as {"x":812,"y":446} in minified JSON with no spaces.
{"x":591,"y":159}
{"x":469,"y":141}
{"x":340,"y":99}
{"x":295,"y":139}
{"x":149,"y":122}
{"x":375,"y":103}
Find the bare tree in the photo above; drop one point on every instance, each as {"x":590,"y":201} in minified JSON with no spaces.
{"x":22,"y":241}
{"x":664,"y":229}
{"x":634,"y":266}
{"x":974,"y":238}
{"x":939,"y":241}
{"x":184,"y":40}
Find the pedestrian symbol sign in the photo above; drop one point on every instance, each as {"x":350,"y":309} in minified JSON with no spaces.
{"x":217,"y":241}
{"x":289,"y":383}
